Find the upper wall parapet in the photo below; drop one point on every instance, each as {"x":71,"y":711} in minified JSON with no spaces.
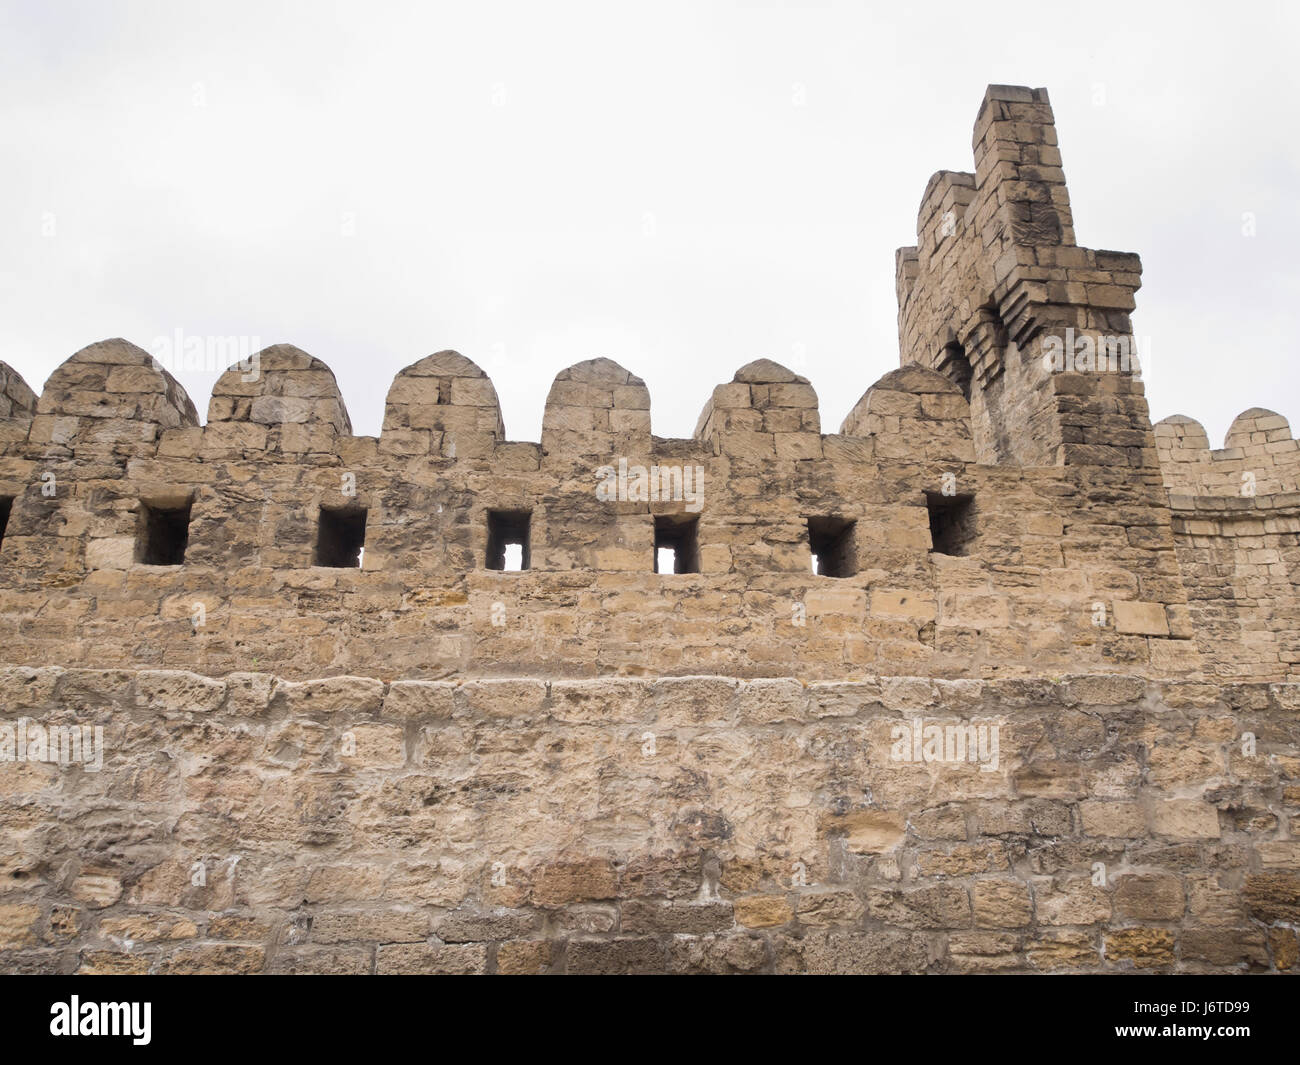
{"x":281,"y":399}
{"x":596,"y":408}
{"x":284,"y":402}
{"x":1259,"y":456}
{"x":765,"y":412}
{"x":444,"y":405}
{"x":995,"y":297}
{"x":914,"y":411}
{"x":109,"y":398}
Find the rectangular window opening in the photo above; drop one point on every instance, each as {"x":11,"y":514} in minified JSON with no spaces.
{"x":340,"y":537}
{"x":162,"y":533}
{"x":952,"y":523}
{"x":834,"y":548}
{"x":677,"y":544}
{"x":6,"y":507}
{"x":508,"y":540}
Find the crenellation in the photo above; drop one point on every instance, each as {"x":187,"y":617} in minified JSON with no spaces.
{"x":442,"y":406}
{"x":914,"y":408}
{"x":595,"y":408}
{"x":1235,"y":519}
{"x":758,"y":477}
{"x":110,"y":398}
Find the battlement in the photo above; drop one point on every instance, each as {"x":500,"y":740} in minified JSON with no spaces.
{"x":1236,"y":519}
{"x":327,"y":552}
{"x":997,"y":505}
{"x":114,"y":399}
{"x":1259,"y":456}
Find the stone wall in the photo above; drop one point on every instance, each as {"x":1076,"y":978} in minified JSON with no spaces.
{"x":1046,"y":550}
{"x":696,"y":824}
{"x":1240,"y":559}
{"x":375,"y":749}
{"x":1236,"y":520}
{"x":1259,"y":456}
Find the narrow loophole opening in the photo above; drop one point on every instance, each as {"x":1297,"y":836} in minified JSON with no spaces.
{"x":162,"y":534}
{"x":677,"y":544}
{"x":833,"y":545}
{"x":508,"y":540}
{"x":952,"y":523}
{"x":340,"y":537}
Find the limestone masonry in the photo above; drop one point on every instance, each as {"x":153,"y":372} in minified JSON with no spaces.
{"x":998,"y":677}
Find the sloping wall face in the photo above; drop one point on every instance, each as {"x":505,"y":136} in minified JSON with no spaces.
{"x":708,"y":824}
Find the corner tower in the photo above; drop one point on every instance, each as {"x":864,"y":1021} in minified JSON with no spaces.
{"x":997,"y":296}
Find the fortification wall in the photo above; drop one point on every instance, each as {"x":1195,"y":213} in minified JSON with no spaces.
{"x":427,"y":763}
{"x":1259,"y":457}
{"x":997,"y":296}
{"x":1236,"y":520}
{"x":697,"y":824}
{"x":1042,"y":570}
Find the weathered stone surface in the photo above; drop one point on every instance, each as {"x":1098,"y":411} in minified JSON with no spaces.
{"x":524,"y":957}
{"x":829,"y":907}
{"x":868,"y":831}
{"x":1068,"y":950}
{"x":560,"y":883}
{"x":763,"y":911}
{"x":717,"y":954}
{"x":974,"y":952}
{"x":852,"y":953}
{"x":1001,"y":903}
{"x":209,"y":958}
{"x":1071,"y":901}
{"x":324,"y":961}
{"x":336,"y":738}
{"x":1273,"y":896}
{"x":1284,"y":945}
{"x":1154,"y":897}
{"x":1144,"y":948}
{"x":1225,"y":947}
{"x":394,"y":926}
{"x":612,"y":957}
{"x":17,"y":925}
{"x":940,"y":905}
{"x":456,"y":959}
{"x":641,"y":916}
{"x":393,"y":888}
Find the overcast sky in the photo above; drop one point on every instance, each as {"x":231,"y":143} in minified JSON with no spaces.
{"x":682,"y":187}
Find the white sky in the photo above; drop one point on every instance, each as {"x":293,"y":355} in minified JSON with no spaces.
{"x":682,"y":187}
